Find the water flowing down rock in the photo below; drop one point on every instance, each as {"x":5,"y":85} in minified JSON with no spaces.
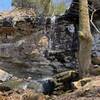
{"x":38,"y":53}
{"x":63,"y":41}
{"x":42,"y":54}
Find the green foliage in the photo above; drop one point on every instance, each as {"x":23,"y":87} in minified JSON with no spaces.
{"x":60,"y":8}
{"x":56,"y":9}
{"x":45,"y":7}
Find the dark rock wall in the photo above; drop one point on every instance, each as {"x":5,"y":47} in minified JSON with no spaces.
{"x":63,"y":41}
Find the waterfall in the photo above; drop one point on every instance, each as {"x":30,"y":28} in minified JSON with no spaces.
{"x":53,"y":20}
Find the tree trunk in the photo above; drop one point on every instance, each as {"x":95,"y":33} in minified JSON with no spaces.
{"x":85,"y":38}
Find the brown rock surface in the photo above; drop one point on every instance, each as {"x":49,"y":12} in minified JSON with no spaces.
{"x":79,"y":84}
{"x":96,"y":60}
{"x":91,"y":91}
{"x":22,"y":95}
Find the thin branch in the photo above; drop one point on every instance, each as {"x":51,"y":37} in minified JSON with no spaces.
{"x":91,"y":20}
{"x":95,"y":26}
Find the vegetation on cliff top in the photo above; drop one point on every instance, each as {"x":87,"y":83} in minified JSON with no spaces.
{"x":46,"y":7}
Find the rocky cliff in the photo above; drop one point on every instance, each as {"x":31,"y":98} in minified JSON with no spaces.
{"x":40,"y":53}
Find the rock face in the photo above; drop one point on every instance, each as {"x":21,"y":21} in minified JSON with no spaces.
{"x":96,"y":50}
{"x":63,"y":42}
{"x":79,"y":84}
{"x":63,"y":81}
{"x":4,"y":76}
{"x":52,"y":85}
{"x":42,"y":53}
{"x":90,"y":91}
{"x":39,"y":48}
{"x":24,"y":47}
{"x":96,"y":3}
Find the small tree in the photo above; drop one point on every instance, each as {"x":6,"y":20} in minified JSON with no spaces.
{"x":85,"y":38}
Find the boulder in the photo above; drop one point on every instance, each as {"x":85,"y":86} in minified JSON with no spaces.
{"x":19,"y":63}
{"x":4,"y":76}
{"x":36,"y":86}
{"x":79,"y":84}
{"x":13,"y":84}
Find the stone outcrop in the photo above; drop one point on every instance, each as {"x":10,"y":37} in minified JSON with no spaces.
{"x":79,"y":84}
{"x":22,"y":95}
{"x":28,"y":46}
{"x":44,"y":50}
{"x":90,"y":91}
{"x":4,"y":76}
{"x":63,"y":41}
{"x":63,"y":81}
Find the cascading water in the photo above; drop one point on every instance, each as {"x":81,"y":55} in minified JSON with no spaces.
{"x":53,"y":20}
{"x":63,"y":41}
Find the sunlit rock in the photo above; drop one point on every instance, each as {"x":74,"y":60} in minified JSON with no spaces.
{"x":4,"y":76}
{"x":79,"y":84}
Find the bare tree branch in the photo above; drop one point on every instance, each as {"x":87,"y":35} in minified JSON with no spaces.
{"x":91,"y":20}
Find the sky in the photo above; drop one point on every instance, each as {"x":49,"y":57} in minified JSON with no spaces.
{"x":68,"y":2}
{"x":58,"y":1}
{"x":6,"y":4}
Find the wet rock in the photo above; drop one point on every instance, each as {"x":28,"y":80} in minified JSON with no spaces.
{"x":58,"y":67}
{"x":63,"y":41}
{"x":45,"y":85}
{"x":90,"y":89}
{"x":56,"y":85}
{"x":19,"y":63}
{"x":4,"y":76}
{"x":48,"y":85}
{"x":6,"y":49}
{"x":36,"y":86}
{"x":67,"y":75}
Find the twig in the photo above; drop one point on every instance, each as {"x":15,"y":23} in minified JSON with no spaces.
{"x":91,"y":20}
